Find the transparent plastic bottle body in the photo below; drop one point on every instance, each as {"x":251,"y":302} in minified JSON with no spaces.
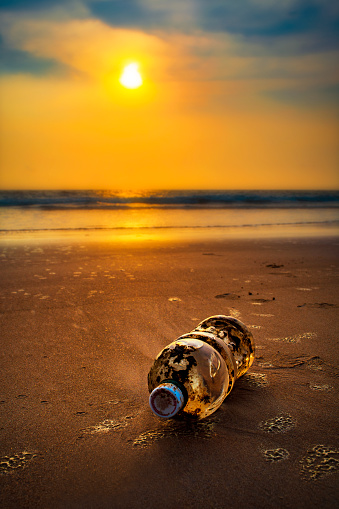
{"x":203,"y":365}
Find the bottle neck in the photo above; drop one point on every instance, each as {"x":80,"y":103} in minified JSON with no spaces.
{"x":180,"y":386}
{"x":167,"y":400}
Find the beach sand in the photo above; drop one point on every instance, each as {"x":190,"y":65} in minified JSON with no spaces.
{"x":81,"y":324}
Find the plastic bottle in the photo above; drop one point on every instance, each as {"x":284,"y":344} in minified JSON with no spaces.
{"x":193,"y":375}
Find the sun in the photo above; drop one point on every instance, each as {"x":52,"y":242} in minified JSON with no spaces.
{"x":131,"y":77}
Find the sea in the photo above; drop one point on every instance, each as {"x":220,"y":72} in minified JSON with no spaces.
{"x":175,"y":214}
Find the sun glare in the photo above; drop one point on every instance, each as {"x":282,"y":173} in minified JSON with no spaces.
{"x":131,"y":78}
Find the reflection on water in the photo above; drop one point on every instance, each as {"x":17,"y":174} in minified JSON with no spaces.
{"x":134,"y":224}
{"x":28,"y":218}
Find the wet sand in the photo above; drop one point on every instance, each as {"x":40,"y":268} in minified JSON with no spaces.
{"x":81,"y":323}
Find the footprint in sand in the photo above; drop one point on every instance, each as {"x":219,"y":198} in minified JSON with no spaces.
{"x":281,"y":360}
{"x":265,"y":365}
{"x":256,"y":379}
{"x":106,"y":426}
{"x":9,"y":464}
{"x":315,"y":364}
{"x":296,"y":338}
{"x":235,"y":313}
{"x":278,"y":424}
{"x":200,"y":430}
{"x":275,"y":455}
{"x":319,"y":461}
{"x":320,"y":387}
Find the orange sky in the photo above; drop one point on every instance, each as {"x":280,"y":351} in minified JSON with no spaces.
{"x":210,"y":114}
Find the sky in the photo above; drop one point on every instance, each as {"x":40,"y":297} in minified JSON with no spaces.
{"x":235,"y":94}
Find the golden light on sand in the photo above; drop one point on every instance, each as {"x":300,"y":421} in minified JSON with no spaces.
{"x":131,"y":77}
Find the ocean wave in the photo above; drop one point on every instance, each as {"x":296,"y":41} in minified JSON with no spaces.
{"x":168,"y":227}
{"x":188,"y":199}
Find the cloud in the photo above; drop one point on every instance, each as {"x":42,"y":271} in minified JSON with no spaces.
{"x":313,"y":97}
{"x":45,"y":9}
{"x":94,"y":48}
{"x":16,"y":61}
{"x":311,"y":25}
{"x":23,"y":4}
{"x":260,"y":21}
{"x":35,"y":5}
{"x":89,"y":47}
{"x":177,"y":15}
{"x":278,"y":49}
{"x":220,"y":38}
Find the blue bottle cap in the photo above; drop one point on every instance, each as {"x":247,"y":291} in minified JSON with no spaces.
{"x":166,"y":400}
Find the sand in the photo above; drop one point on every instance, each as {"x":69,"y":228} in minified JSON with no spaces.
{"x":81,"y":323}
